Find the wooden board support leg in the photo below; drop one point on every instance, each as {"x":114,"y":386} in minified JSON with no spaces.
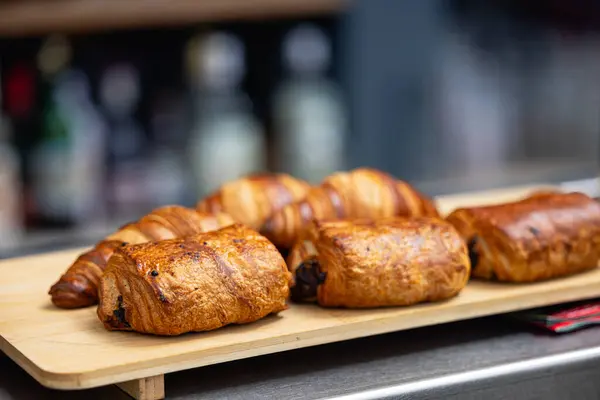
{"x":151,"y":388}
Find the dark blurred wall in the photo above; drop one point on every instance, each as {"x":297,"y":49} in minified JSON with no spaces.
{"x":389,"y":52}
{"x":457,"y":95}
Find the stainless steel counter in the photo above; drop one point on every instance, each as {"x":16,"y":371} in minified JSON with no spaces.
{"x":491,"y":358}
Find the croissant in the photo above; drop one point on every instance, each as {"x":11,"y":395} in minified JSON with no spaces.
{"x":251,"y":200}
{"x":540,"y":237}
{"x":361,"y":193}
{"x":386,"y":262}
{"x":78,"y":286}
{"x":199,"y":283}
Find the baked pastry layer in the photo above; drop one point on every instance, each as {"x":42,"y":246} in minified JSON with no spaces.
{"x":199,"y":283}
{"x":544,"y":236}
{"x":385,"y":262}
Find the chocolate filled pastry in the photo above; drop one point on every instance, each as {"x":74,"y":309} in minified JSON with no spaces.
{"x":543,"y":236}
{"x":361,"y":193}
{"x":386,"y":262}
{"x":252,"y":199}
{"x":78,"y":286}
{"x":199,"y":283}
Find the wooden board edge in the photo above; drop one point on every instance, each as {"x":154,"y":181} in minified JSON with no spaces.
{"x":85,"y":380}
{"x":41,"y":376}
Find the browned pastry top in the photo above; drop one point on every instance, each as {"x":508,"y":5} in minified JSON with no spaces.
{"x":198,"y":283}
{"x":252,"y":199}
{"x":370,"y":193}
{"x":539,"y":220}
{"x":390,"y":261}
{"x":170,"y":222}
{"x":539,"y":237}
{"x":77,"y":287}
{"x":360,"y":193}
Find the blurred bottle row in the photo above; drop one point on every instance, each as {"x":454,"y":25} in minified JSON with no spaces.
{"x":87,"y":138}
{"x":98,"y":129}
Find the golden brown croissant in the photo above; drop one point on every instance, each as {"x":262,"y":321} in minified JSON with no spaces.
{"x":543,"y":236}
{"x":386,"y":262}
{"x":252,"y":199}
{"x":78,"y":286}
{"x":199,"y":283}
{"x":361,"y":193}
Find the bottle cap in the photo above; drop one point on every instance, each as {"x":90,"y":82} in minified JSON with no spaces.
{"x":221,"y":61}
{"x":54,"y":55}
{"x":306,"y":49}
{"x":120,"y":88}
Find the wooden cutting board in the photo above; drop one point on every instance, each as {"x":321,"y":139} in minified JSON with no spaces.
{"x":70,"y":349}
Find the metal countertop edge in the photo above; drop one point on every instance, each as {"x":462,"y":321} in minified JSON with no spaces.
{"x":504,"y":370}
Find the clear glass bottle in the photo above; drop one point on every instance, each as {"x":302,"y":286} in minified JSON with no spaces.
{"x":171,"y":177}
{"x":87,"y":134}
{"x":11,"y":212}
{"x":50,"y":158}
{"x":226,"y":141}
{"x":308,"y":112}
{"x":129,"y":173}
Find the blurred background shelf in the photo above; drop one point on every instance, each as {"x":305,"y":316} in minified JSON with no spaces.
{"x":34,"y":17}
{"x":109,"y":108}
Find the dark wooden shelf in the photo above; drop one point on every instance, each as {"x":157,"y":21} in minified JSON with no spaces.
{"x":35,"y":17}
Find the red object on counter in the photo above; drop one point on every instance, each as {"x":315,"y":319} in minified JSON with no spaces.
{"x":564,"y":318}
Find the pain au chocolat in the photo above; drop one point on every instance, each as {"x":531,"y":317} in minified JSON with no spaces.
{"x":375,"y":263}
{"x":199,"y":283}
{"x":546,"y":235}
{"x":78,"y":286}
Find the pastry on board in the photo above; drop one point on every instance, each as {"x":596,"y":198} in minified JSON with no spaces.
{"x":199,"y":283}
{"x":78,"y":286}
{"x":252,"y":199}
{"x":374,"y":263}
{"x":360,"y":193}
{"x":546,"y":235}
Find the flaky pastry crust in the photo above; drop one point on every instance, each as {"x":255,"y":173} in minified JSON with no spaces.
{"x":78,"y":286}
{"x":544,"y":236}
{"x":386,"y":262}
{"x":254,"y":198}
{"x":361,"y":193}
{"x":199,"y":283}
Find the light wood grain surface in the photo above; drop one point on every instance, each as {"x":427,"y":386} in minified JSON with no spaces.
{"x":70,"y":349}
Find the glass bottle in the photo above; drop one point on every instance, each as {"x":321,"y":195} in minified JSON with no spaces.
{"x":226,"y":141}
{"x":50,"y":182}
{"x":11,"y":213}
{"x":308,"y":113}
{"x":128,"y":167}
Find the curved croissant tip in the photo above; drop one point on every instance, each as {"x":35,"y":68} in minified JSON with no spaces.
{"x":71,"y":300}
{"x":63,"y":295}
